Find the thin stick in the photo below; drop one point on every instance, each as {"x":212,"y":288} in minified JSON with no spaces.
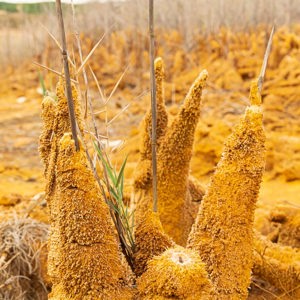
{"x":98,"y":85}
{"x":67,"y":73}
{"x":117,"y":115}
{"x":85,"y":78}
{"x":56,"y":42}
{"x":261,"y":76}
{"x":116,"y":85}
{"x":53,"y":71}
{"x":153,"y":105}
{"x":83,"y":63}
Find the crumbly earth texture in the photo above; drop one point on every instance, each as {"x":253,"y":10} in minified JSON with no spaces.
{"x":232,"y":60}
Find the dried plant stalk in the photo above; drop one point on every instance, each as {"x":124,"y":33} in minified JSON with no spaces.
{"x":67,"y":73}
{"x":153,"y":106}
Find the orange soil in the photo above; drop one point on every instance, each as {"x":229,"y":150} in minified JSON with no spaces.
{"x":232,"y":59}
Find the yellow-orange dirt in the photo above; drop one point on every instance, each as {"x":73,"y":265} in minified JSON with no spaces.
{"x":232,"y":59}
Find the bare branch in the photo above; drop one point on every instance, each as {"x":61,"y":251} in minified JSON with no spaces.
{"x":57,"y":43}
{"x":67,"y":74}
{"x":153,"y":105}
{"x":261,"y":76}
{"x":116,"y":85}
{"x":53,"y":71}
{"x":90,"y":54}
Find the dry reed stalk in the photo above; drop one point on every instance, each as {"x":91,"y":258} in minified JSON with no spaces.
{"x":67,"y":73}
{"x":261,"y":76}
{"x":153,"y":105}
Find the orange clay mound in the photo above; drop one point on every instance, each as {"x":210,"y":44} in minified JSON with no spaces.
{"x":90,"y":262}
{"x":150,"y":240}
{"x":84,"y":261}
{"x":282,"y":225}
{"x":195,"y":189}
{"x":54,"y":129}
{"x":279,"y":265}
{"x":178,"y":273}
{"x":143,"y":169}
{"x":222,"y":234}
{"x":48,"y":116}
{"x":174,"y":154}
{"x":162,"y":120}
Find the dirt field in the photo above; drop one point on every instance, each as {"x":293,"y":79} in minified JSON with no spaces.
{"x":232,"y":60}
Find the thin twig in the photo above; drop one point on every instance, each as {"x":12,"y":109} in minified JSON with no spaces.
{"x":265,"y":290}
{"x":153,"y":106}
{"x":261,"y":76}
{"x":83,"y":63}
{"x":98,"y":85}
{"x":53,"y":71}
{"x":116,"y":85}
{"x":117,"y":115}
{"x":67,"y":74}
{"x":57,"y":43}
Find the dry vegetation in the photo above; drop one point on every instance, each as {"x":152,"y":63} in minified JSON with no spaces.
{"x":228,"y":162}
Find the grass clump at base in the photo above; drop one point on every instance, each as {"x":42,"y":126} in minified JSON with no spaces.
{"x":22,"y":250}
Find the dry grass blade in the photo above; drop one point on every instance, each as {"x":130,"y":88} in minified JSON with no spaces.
{"x":265,"y":290}
{"x":94,"y":136}
{"x":98,"y":85}
{"x":117,"y":115}
{"x":67,"y":74}
{"x":289,"y":292}
{"x":116,"y":85}
{"x":118,"y":147}
{"x":265,"y":61}
{"x":57,"y":43}
{"x":89,"y":55}
{"x":21,"y":241}
{"x":153,"y":105}
{"x":53,"y":71}
{"x":99,"y":112}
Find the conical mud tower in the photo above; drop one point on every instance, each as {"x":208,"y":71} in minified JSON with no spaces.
{"x":143,"y":176}
{"x":150,"y":240}
{"x":56,"y":122}
{"x":90,"y":262}
{"x":174,"y":158}
{"x":173,"y":161}
{"x":279,"y":265}
{"x":84,"y":257}
{"x":223,"y":232}
{"x":178,"y":273}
